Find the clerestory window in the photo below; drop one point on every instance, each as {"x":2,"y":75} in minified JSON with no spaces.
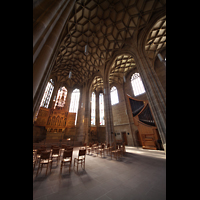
{"x":137,"y":85}
{"x":114,"y":96}
{"x":75,"y":102}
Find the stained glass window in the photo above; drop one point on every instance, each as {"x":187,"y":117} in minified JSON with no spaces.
{"x":114,"y":95}
{"x":137,"y":85}
{"x":74,"y":102}
{"x":61,"y":97}
{"x":101,"y":109}
{"x":93,"y":109}
{"x":47,"y":94}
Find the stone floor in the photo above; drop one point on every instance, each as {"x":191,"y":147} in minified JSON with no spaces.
{"x":139,"y":175}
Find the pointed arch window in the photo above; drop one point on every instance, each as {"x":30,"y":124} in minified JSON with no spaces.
{"x":61,"y":97}
{"x":47,"y":94}
{"x":74,"y":103}
{"x":114,"y":96}
{"x":137,"y":85}
{"x":101,"y":109}
{"x":93,"y":103}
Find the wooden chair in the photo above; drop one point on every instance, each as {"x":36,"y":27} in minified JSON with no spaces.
{"x":34,"y":159}
{"x":55,"y":154}
{"x":107,"y":149}
{"x":69,"y":148}
{"x":115,"y":152}
{"x":89,"y":148}
{"x":67,"y":158}
{"x":122,"y":148}
{"x":63,"y":146}
{"x":44,"y":160}
{"x":43,"y":147}
{"x":101,"y":149}
{"x":54,"y":147}
{"x":39,"y":152}
{"x":96,"y":147}
{"x":80,"y":159}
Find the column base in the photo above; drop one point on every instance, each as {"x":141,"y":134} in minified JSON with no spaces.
{"x":164,"y":146}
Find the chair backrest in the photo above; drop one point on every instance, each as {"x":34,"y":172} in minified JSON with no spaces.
{"x":34,"y":154}
{"x":84,"y":144}
{"x":102,"y":146}
{"x":69,"y":148}
{"x":67,"y":153}
{"x":43,"y":147}
{"x":82,"y":152}
{"x":55,"y":151}
{"x":39,"y":151}
{"x":45,"y":155}
{"x":63,"y":146}
{"x":54,"y":146}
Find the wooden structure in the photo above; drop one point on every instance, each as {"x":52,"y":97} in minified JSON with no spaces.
{"x":55,"y":120}
{"x":148,"y":136}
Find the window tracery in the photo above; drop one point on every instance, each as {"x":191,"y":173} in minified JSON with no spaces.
{"x":61,"y":97}
{"x":74,"y":103}
{"x":47,"y":94}
{"x":101,"y":109}
{"x":93,"y":106}
{"x":114,"y":96}
{"x":137,"y":85}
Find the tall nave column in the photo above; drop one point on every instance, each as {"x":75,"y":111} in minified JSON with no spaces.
{"x":108,"y":113}
{"x":155,"y":93}
{"x":44,"y":56}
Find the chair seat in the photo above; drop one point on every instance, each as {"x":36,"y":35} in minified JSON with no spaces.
{"x":45,"y":161}
{"x":55,"y":155}
{"x":79,"y":159}
{"x":66,"y":160}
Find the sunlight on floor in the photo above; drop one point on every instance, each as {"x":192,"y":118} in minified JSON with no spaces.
{"x":146,"y":152}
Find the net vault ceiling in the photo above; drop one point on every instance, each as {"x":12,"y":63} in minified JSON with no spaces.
{"x":104,"y":25}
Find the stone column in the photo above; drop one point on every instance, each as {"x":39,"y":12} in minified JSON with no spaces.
{"x":155,"y":93}
{"x":82,"y":130}
{"x":68,"y":99}
{"x":45,"y":55}
{"x":45,"y":23}
{"x":108,"y":113}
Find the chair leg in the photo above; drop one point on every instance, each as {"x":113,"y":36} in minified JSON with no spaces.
{"x":61,"y":166}
{"x":41,"y":168}
{"x":69,"y":167}
{"x":38,"y":169}
{"x":51,"y":166}
{"x":47,"y":168}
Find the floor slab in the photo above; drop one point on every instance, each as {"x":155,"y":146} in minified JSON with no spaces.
{"x":140,"y":174}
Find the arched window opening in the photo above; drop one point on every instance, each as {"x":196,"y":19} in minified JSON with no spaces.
{"x":74,"y":102}
{"x":47,"y":94}
{"x":61,"y":97}
{"x":137,"y":85}
{"x":93,"y":109}
{"x":101,"y":109}
{"x":114,"y":96}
